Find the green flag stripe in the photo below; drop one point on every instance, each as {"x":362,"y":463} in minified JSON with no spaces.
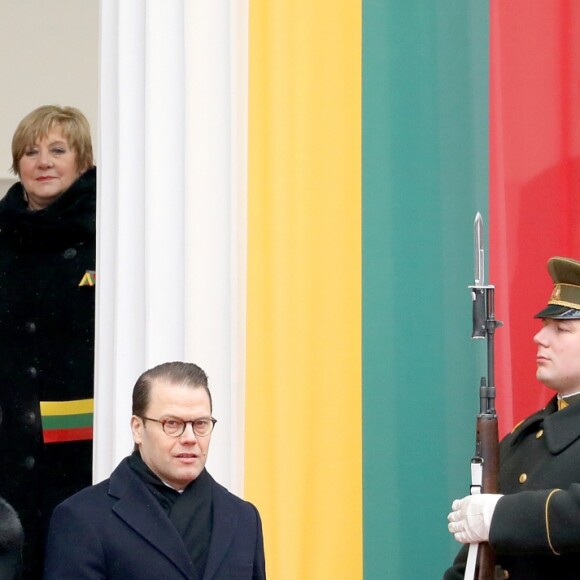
{"x":425,"y":103}
{"x":67,"y":421}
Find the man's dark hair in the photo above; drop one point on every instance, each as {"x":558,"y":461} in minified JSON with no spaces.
{"x":176,"y":373}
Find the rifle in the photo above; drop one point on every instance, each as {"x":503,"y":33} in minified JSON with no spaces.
{"x":485,"y":463}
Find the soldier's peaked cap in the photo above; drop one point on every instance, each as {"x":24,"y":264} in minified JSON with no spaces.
{"x":564,"y":302}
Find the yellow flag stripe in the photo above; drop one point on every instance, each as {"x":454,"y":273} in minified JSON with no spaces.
{"x":48,"y":408}
{"x":303,"y":393}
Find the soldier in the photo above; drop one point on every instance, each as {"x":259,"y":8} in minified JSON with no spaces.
{"x":533,"y":525}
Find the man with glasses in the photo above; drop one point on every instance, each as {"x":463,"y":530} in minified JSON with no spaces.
{"x":160,"y":514}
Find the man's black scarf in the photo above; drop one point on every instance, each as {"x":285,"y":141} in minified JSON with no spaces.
{"x":190,"y":511}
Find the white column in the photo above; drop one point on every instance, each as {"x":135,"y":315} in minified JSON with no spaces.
{"x":171,"y":260}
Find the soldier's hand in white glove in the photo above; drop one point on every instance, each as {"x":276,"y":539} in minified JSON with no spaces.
{"x":470,"y":519}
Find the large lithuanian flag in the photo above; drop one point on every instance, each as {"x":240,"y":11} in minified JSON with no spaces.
{"x":377,"y":129}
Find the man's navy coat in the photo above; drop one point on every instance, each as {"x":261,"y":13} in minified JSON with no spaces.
{"x":118,"y":530}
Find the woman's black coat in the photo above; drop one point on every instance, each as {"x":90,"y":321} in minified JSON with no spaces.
{"x":47,"y":322}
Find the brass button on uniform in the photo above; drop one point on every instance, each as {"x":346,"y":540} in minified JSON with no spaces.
{"x":539,"y":433}
{"x":523,"y":477}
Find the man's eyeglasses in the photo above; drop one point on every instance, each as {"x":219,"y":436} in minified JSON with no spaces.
{"x":176,"y":427}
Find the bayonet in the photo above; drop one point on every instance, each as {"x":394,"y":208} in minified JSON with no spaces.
{"x":479,"y":291}
{"x":479,"y":258}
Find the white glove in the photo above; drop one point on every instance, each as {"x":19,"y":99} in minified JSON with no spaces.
{"x":470,"y":519}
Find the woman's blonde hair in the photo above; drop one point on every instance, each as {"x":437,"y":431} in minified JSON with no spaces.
{"x":39,"y":122}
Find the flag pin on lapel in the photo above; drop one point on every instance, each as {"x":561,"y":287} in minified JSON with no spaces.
{"x":88,"y":278}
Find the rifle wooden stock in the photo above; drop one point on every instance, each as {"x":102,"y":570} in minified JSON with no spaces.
{"x":488,"y":449}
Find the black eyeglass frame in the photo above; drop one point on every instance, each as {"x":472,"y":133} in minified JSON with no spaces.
{"x":185,"y":423}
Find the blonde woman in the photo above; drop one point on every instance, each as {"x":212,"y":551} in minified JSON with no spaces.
{"x":47,"y":313}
